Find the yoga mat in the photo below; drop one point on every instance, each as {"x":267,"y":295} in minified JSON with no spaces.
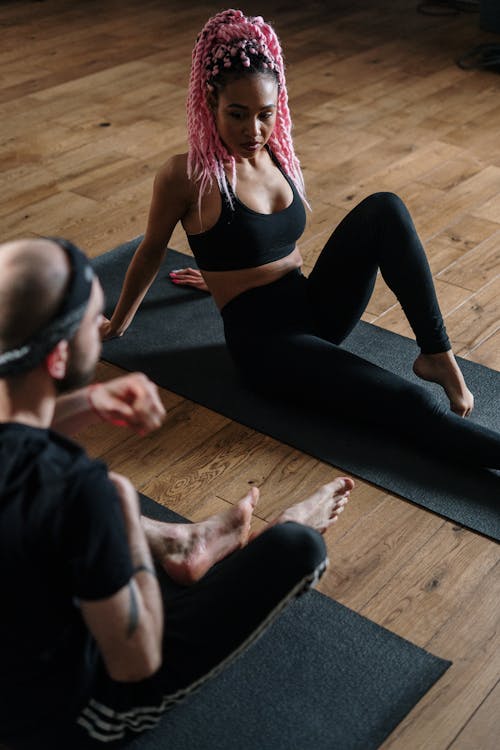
{"x":177,"y":339}
{"x":320,"y":678}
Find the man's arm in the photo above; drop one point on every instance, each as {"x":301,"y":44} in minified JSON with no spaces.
{"x":128,"y":401}
{"x":128,"y":626}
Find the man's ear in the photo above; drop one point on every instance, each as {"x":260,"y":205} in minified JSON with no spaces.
{"x":56,"y":361}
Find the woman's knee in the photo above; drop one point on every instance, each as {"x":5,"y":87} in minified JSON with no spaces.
{"x":384,"y":204}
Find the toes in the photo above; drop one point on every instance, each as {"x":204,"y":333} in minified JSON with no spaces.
{"x":255,"y":492}
{"x":342,"y":485}
{"x":340,"y":501}
{"x":337,"y":510}
{"x":338,"y":485}
{"x":338,"y":506}
{"x":254,"y":495}
{"x":349,"y":483}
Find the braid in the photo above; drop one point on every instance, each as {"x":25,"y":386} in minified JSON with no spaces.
{"x":230,"y":44}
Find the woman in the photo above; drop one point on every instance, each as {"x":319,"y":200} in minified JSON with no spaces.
{"x":239,"y":195}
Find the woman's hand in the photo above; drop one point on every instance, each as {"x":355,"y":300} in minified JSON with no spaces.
{"x":107,"y":331}
{"x":188,"y":277}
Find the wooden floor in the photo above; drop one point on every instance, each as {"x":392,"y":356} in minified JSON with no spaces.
{"x":92,"y":102}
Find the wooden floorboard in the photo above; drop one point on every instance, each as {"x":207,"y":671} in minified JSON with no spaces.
{"x":92,"y":102}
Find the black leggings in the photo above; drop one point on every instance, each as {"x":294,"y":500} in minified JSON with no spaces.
{"x":206,"y":626}
{"x":284,"y":337}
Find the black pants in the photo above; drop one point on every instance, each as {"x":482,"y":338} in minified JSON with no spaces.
{"x":206,"y":626}
{"x":285,"y":337}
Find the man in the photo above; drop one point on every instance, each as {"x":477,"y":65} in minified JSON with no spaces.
{"x":87,"y":653}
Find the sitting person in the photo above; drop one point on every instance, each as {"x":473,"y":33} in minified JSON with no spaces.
{"x":87,"y":653}
{"x":239,"y":195}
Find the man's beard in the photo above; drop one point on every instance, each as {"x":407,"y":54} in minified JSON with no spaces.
{"x":78,"y":372}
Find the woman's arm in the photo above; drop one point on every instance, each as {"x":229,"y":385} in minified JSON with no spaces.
{"x":172,"y":197}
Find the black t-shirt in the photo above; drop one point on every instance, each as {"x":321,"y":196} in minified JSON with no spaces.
{"x":62,"y":538}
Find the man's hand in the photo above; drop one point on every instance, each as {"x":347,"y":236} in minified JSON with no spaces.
{"x":129,"y":401}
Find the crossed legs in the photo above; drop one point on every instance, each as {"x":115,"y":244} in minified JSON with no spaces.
{"x":188,"y":551}
{"x":208,"y":623}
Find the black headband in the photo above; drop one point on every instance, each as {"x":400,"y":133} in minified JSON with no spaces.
{"x":64,"y":323}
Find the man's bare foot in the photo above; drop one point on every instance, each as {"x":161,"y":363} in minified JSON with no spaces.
{"x":188,"y":551}
{"x":321,"y":510}
{"x":442,"y":368}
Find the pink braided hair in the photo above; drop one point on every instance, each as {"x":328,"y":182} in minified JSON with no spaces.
{"x":230,"y":40}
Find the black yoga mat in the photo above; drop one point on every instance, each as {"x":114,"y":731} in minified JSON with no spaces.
{"x":320,"y":678}
{"x":177,"y":339}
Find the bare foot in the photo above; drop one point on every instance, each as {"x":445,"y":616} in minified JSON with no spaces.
{"x":188,"y":551}
{"x":321,"y":510}
{"x":442,"y":368}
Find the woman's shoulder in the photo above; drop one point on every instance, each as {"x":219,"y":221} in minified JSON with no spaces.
{"x":172,"y":182}
{"x":173,"y":171}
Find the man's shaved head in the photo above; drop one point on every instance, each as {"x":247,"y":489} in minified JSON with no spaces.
{"x":34,"y":275}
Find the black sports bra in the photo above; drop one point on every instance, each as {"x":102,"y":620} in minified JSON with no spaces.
{"x":244,"y":238}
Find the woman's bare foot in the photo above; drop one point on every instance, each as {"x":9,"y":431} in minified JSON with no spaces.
{"x":321,"y":510}
{"x":188,"y":551}
{"x":442,"y":368}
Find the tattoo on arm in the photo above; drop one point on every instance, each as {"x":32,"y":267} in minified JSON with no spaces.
{"x":146,"y":569}
{"x":133,"y":613}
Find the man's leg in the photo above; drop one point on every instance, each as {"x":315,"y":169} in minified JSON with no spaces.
{"x":206,"y":626}
{"x":210,"y":622}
